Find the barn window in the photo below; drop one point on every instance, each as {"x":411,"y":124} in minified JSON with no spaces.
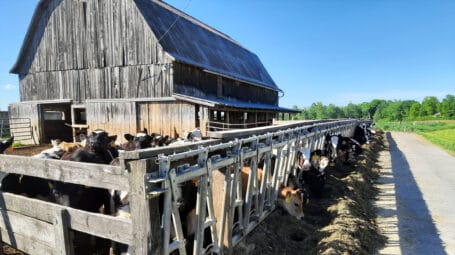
{"x":54,"y":115}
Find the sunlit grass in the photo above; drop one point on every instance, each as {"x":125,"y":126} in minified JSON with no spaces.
{"x":443,"y":138}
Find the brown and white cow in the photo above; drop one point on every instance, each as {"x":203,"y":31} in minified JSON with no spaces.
{"x":289,"y":198}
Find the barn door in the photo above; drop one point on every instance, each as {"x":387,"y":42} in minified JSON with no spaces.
{"x":55,"y":120}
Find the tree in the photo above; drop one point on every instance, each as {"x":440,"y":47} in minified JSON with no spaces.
{"x":448,"y":107}
{"x":352,"y":111}
{"x":334,"y":112}
{"x":414,"y":111}
{"x":430,"y":105}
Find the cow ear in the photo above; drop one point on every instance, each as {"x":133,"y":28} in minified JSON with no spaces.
{"x":113,"y":138}
{"x":128,"y":137}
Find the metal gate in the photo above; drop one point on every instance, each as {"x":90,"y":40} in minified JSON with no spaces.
{"x":239,"y":213}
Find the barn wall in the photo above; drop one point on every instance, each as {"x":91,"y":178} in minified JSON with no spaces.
{"x":20,"y":111}
{"x":107,"y":83}
{"x":94,"y":49}
{"x":166,"y":118}
{"x":193,"y":81}
{"x":116,"y":117}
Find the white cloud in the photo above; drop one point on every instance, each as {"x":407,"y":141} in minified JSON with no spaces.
{"x":9,"y":86}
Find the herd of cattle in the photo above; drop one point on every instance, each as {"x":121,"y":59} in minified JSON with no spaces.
{"x":308,"y":179}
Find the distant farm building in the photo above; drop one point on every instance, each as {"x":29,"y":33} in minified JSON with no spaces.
{"x":126,"y":65}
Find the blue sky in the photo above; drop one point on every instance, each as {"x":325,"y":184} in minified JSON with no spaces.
{"x":328,"y":51}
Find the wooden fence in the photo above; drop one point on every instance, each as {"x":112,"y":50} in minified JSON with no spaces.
{"x":39,"y":227}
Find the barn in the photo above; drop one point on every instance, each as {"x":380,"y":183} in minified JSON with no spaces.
{"x":127,"y":65}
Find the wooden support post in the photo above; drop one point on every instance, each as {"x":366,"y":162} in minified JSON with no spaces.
{"x":145,"y":215}
{"x":63,"y":246}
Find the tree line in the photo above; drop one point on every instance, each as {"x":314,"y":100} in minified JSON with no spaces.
{"x":384,"y":110}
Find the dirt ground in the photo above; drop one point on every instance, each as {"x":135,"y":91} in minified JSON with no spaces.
{"x":342,"y":221}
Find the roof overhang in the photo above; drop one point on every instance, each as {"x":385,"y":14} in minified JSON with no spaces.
{"x":221,"y":102}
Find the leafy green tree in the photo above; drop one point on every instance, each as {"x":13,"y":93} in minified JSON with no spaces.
{"x":334,"y":112}
{"x":448,"y":106}
{"x":414,"y":111}
{"x":430,"y":106}
{"x":352,"y":111}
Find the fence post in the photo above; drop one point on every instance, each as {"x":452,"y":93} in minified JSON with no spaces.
{"x":63,"y":246}
{"x":145,"y":216}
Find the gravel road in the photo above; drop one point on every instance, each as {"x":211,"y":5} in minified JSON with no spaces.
{"x":422,"y":179}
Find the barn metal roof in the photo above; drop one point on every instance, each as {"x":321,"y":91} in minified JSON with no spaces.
{"x":213,"y":101}
{"x":190,"y":41}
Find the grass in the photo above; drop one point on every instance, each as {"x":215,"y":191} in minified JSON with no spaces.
{"x":441,"y":133}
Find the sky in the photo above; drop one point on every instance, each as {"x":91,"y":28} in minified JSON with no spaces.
{"x":329,"y":51}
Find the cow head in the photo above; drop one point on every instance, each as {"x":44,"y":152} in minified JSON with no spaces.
{"x":319,"y":162}
{"x":292,"y":200}
{"x":303,"y":159}
{"x":143,"y":140}
{"x":99,"y":141}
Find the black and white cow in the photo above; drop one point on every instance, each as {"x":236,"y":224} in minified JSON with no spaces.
{"x":97,"y":150}
{"x":310,"y":168}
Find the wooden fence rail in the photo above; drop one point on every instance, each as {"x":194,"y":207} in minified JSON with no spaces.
{"x":39,"y":227}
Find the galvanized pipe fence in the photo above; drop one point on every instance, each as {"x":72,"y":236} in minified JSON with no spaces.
{"x":237,"y":214}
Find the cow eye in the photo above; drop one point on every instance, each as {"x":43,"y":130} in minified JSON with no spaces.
{"x":296,"y":204}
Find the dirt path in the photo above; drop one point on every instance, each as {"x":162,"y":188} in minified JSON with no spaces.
{"x":421,"y":178}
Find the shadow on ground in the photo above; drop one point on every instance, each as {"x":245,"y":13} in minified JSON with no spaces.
{"x":416,"y":229}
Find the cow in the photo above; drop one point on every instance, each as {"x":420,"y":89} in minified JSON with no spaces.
{"x":55,"y":152}
{"x":289,"y":198}
{"x":32,"y":187}
{"x":6,"y":145}
{"x":97,"y":150}
{"x":363,"y":133}
{"x":310,"y":168}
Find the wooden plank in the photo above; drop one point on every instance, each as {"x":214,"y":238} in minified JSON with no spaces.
{"x":105,"y":226}
{"x":26,"y":244}
{"x":94,"y":175}
{"x":26,"y":226}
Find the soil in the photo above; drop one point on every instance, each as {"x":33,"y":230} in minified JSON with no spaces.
{"x":342,"y":221}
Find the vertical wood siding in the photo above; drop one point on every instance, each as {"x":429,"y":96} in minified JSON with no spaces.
{"x":95,"y":49}
{"x":166,"y":118}
{"x":115,"y":117}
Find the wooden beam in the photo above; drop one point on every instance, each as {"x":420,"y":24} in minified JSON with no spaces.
{"x":93,"y":175}
{"x":105,"y":226}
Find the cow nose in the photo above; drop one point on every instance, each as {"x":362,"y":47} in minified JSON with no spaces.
{"x":302,"y":218}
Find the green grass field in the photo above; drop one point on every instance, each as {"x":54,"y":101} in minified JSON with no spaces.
{"x":441,"y":133}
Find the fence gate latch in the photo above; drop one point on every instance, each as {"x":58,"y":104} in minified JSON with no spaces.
{"x":154,"y":185}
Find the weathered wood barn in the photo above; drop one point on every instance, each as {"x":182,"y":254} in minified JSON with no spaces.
{"x":126,"y":65}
